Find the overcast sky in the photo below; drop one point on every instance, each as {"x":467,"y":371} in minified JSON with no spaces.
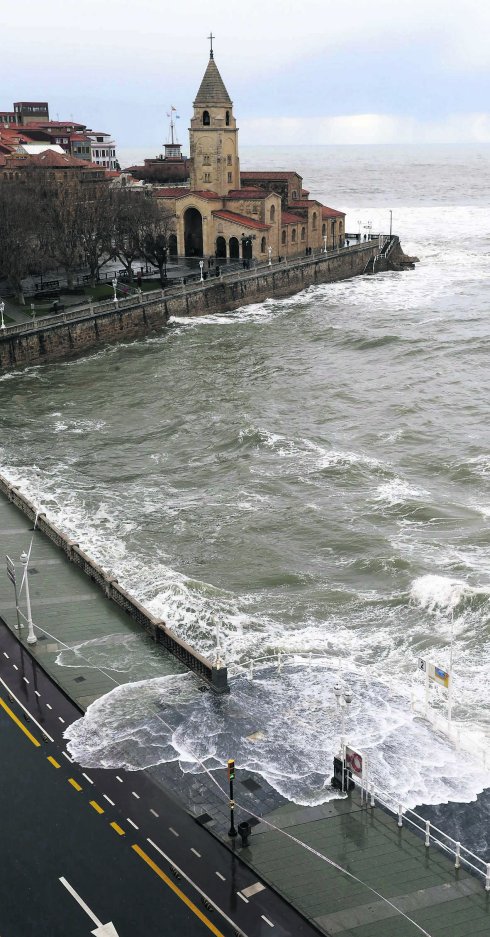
{"x":316,"y":72}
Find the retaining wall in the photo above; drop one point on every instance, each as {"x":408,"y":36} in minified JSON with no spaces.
{"x":77,"y":331}
{"x":217,"y":677}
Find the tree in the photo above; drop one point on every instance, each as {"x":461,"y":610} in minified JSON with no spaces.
{"x":62,"y":225}
{"x":19,"y":242}
{"x":128,"y":213}
{"x":156,"y":228}
{"x":95,"y":227}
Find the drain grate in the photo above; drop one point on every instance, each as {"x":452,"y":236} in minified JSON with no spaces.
{"x":79,"y":679}
{"x":203,"y":818}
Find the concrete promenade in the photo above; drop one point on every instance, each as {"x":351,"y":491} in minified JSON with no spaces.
{"x":363,"y":840}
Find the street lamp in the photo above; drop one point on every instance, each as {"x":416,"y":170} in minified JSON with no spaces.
{"x":114,"y":287}
{"x":269,"y":251}
{"x":31,"y":637}
{"x":2,"y":307}
{"x":324,"y":251}
{"x":391,"y":221}
{"x":201,"y":266}
{"x":343,"y":695}
{"x":359,"y":222}
{"x":368,"y":227}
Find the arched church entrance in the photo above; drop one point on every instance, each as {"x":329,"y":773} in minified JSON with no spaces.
{"x":234,"y":249}
{"x":247,"y":248}
{"x":220,"y":247}
{"x":193,"y":233}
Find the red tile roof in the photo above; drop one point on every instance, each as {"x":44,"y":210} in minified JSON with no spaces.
{"x":287,"y":217}
{"x":305,"y":203}
{"x":305,"y":193}
{"x":270,"y":175}
{"x":332,"y":212}
{"x":240,"y":219}
{"x":167,"y":191}
{"x":206,"y":194}
{"x":249,"y":191}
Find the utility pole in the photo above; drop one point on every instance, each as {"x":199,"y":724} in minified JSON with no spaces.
{"x":231,"y":777}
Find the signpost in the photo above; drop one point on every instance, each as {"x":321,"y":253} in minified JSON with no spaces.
{"x":357,"y":763}
{"x":440,"y":677}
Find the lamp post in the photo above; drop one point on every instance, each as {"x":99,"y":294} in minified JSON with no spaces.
{"x":359,"y":223}
{"x":201,"y":266}
{"x":324,"y":251}
{"x":391,"y":221}
{"x":114,"y":287}
{"x":269,"y":251}
{"x":31,"y":637}
{"x":2,"y":308}
{"x":368,"y":226}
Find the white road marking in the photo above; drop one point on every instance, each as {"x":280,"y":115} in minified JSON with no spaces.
{"x":81,"y":902}
{"x":118,"y":779}
{"x":51,"y":739}
{"x":37,"y":692}
{"x":135,"y":795}
{"x":49,"y":706}
{"x":189,"y":880}
{"x":68,"y":757}
{"x":221,"y":876}
{"x":196,"y":853}
{"x":266,"y":919}
{"x":87,"y":778}
{"x":155,"y":814}
{"x":253,"y":889}
{"x":6,"y":655}
{"x":242,"y":897}
{"x":132,"y":824}
{"x":109,"y":801}
{"x":61,"y":720}
{"x":26,"y":680}
{"x":15,"y":666}
{"x":173,"y":831}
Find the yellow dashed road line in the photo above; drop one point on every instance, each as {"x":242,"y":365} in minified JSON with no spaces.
{"x":53,"y":762}
{"x":75,"y":784}
{"x":117,"y":828}
{"x":96,"y":806}
{"x":202,"y":917}
{"x":19,"y":724}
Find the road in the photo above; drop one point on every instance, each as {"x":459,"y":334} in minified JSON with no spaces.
{"x":125,"y":847}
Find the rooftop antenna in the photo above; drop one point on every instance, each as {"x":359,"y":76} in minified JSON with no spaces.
{"x":211,"y":37}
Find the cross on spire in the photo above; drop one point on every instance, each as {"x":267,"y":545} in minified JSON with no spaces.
{"x":211,"y":37}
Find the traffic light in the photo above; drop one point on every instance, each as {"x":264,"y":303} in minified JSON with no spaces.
{"x":231,"y":769}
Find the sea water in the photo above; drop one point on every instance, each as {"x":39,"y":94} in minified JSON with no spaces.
{"x":306,"y":477}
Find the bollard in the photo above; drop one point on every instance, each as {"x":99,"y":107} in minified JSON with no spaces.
{"x":400,"y":815}
{"x":372,"y":796}
{"x":457,"y":861}
{"x":487,"y":878}
{"x":244,"y":830}
{"x":427,"y":833}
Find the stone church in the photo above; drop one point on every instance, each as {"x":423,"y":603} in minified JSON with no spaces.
{"x":226,"y":213}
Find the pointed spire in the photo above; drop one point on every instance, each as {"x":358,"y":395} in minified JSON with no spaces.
{"x":211,"y":37}
{"x":212,"y":89}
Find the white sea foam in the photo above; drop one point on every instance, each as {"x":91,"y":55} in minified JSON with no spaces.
{"x":397,"y":491}
{"x":433,"y":593}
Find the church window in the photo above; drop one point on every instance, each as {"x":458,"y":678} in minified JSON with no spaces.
{"x":262,"y":246}
{"x":273,"y":213}
{"x":227,"y":119}
{"x":206,"y":119}
{"x":293,"y":235}
{"x":207,"y":177}
{"x":314,"y":221}
{"x":303,"y":234}
{"x":324,"y":230}
{"x":230,"y":177}
{"x":340,"y":227}
{"x":295,"y":194}
{"x":206,"y":161}
{"x":228,"y":160}
{"x":283,"y":236}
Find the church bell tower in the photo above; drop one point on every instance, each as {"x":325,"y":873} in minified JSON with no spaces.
{"x":213,"y":136}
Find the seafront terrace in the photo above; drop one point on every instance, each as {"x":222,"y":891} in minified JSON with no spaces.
{"x":337,"y":862}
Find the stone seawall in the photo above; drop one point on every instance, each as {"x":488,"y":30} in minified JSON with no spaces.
{"x":216,"y":676}
{"x":63,"y":336}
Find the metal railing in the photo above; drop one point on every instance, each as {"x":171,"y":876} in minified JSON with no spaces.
{"x":139,"y":298}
